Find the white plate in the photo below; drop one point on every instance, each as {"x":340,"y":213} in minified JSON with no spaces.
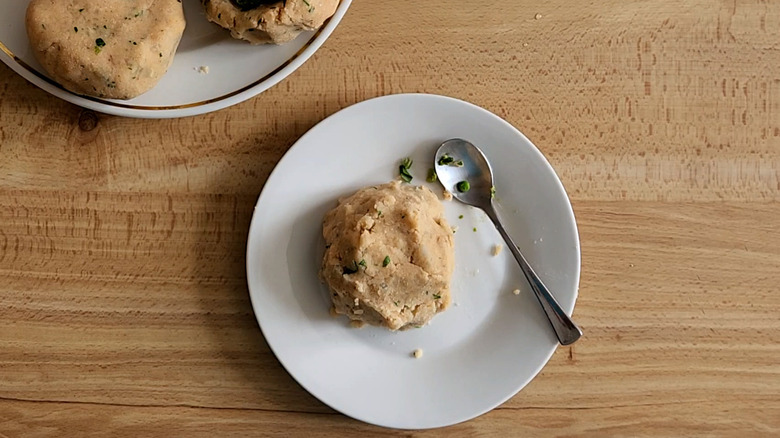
{"x":237,"y":70}
{"x":480,"y":351}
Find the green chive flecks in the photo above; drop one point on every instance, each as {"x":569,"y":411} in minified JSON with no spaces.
{"x":445,"y":160}
{"x":403,"y":169}
{"x":386,"y":261}
{"x":362,"y":263}
{"x":436,"y":296}
{"x":432,"y":178}
{"x":99,"y":44}
{"x":351,"y":269}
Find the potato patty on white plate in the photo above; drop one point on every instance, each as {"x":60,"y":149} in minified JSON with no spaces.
{"x":389,"y":256}
{"x":116,"y":49}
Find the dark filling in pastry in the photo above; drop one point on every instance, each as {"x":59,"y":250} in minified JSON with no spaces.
{"x":248,"y":5}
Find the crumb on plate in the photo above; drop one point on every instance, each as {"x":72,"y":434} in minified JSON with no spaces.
{"x":417,"y":353}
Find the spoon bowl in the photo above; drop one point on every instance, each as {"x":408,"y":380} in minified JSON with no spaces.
{"x":475,"y":169}
{"x":464,"y":171}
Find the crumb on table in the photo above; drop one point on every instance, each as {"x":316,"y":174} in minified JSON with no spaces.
{"x":417,"y":353}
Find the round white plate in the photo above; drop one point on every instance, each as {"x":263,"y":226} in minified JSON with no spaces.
{"x":489,"y":343}
{"x":237,"y":70}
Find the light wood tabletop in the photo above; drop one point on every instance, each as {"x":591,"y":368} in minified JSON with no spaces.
{"x":124,"y":309}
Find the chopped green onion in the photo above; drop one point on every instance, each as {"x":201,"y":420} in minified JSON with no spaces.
{"x":432,"y":176}
{"x":351,"y":269}
{"x":99,"y":44}
{"x":403,"y":169}
{"x":445,"y":160}
{"x":492,"y":192}
{"x":362,"y":263}
{"x":405,"y":175}
{"x":463,"y":186}
{"x":436,"y":296}
{"x":386,"y":261}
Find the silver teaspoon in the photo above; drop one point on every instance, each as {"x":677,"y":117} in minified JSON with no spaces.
{"x":465,"y":172}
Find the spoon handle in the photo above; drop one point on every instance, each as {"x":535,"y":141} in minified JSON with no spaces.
{"x":565,"y":329}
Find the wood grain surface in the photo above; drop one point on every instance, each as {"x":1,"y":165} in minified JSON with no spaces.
{"x":123,"y":303}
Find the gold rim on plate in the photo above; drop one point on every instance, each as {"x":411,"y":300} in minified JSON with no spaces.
{"x":170,"y":107}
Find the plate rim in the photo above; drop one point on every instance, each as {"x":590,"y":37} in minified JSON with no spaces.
{"x":534,"y":149}
{"x":119,"y":108}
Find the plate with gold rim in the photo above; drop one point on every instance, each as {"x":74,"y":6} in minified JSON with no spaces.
{"x":210,"y":71}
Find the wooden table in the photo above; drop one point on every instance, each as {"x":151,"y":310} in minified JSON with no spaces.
{"x":123,"y":303}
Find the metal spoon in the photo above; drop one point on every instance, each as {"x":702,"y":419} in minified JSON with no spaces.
{"x":457,"y":161}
